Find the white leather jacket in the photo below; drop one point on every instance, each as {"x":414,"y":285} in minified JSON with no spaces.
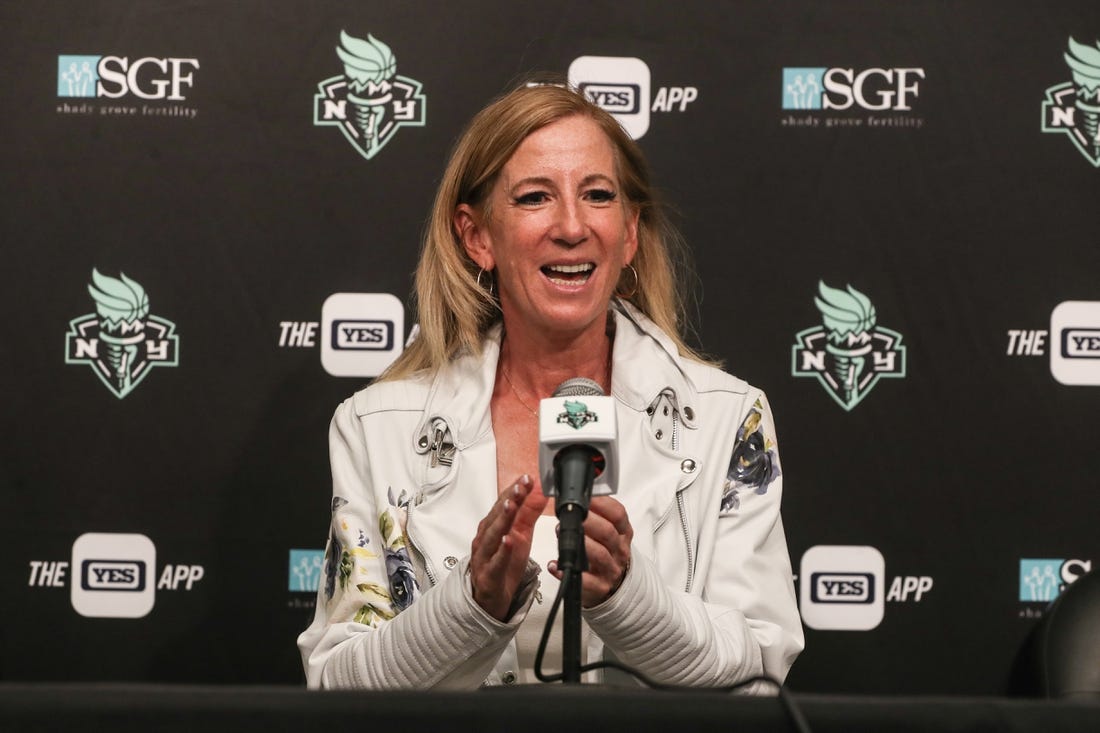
{"x":708,"y":599}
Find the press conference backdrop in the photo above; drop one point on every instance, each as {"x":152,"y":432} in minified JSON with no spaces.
{"x":211,"y":214}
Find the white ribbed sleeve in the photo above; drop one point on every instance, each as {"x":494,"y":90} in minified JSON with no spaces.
{"x":672,"y":637}
{"x":444,"y":640}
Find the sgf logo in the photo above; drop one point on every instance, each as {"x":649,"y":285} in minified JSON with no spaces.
{"x":370,"y":102}
{"x":304,"y":575}
{"x":121,"y":341}
{"x":873,"y":89}
{"x":117,"y":76}
{"x":1073,"y":107}
{"x":850,"y":352}
{"x":1043,"y":580}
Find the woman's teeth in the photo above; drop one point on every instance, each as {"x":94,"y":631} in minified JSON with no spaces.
{"x":569,"y":274}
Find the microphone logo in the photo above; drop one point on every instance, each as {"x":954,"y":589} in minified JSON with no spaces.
{"x":577,"y":414}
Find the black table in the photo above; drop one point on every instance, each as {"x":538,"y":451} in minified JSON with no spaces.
{"x":142,"y":708}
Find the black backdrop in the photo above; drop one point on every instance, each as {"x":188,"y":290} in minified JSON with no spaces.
{"x":964,"y":212}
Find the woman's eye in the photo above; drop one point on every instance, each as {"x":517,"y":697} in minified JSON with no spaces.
{"x":601,"y":196}
{"x":531,"y":199}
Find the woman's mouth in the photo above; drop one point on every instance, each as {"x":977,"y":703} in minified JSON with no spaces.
{"x":569,"y":274}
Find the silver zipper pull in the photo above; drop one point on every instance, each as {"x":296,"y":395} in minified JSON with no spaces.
{"x":442,"y":450}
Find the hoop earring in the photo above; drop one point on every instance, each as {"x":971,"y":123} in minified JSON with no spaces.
{"x":492,"y":281}
{"x":633,"y":290}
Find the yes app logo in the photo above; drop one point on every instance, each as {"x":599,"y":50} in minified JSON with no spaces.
{"x":1075,"y":342}
{"x":113,"y":575}
{"x":620,"y":85}
{"x":842,"y":587}
{"x":361,"y":333}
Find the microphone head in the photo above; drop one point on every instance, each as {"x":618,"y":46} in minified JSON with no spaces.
{"x":579,"y":386}
{"x":579,"y":414}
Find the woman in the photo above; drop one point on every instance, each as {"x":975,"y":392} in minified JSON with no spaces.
{"x":546,"y":258}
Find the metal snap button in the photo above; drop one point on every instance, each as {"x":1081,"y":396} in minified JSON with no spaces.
{"x":450,"y":561}
{"x":660,"y":434}
{"x":689,"y":413}
{"x":508,"y":677}
{"x":688,"y":466}
{"x":423,"y":443}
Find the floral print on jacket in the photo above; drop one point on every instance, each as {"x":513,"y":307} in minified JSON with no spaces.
{"x":755,"y":461}
{"x":348,"y":566}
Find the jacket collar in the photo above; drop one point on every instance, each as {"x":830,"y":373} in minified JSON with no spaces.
{"x":460,"y":393}
{"x":638,"y":341}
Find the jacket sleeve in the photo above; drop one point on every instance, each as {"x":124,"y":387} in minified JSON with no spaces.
{"x":742,"y":620}
{"x":373,"y":628}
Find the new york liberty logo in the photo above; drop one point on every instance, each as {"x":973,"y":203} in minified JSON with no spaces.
{"x":121,"y":341}
{"x":849,"y":352}
{"x":1073,"y":107}
{"x":577,"y":414}
{"x":370,"y":102}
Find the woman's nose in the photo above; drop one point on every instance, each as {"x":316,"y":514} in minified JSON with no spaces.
{"x":570,"y":228}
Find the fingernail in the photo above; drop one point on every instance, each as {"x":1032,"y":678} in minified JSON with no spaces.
{"x":525,"y":480}
{"x":507,"y":504}
{"x":515,"y":489}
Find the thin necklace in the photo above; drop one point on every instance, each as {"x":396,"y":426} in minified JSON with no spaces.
{"x":516,"y":392}
{"x":520,"y":397}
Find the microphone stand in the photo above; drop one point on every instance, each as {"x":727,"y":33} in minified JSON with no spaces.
{"x":572,"y":569}
{"x":574,"y":472}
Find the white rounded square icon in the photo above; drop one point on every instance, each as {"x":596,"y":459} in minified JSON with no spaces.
{"x":113,"y":575}
{"x":619,"y":84}
{"x":842,"y":587}
{"x":1075,"y":342}
{"x":361,"y":333}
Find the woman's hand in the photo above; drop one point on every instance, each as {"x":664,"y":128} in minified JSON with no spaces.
{"x":607,"y":537}
{"x":499,"y":552}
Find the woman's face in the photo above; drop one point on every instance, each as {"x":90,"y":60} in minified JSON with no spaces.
{"x":558,"y":232}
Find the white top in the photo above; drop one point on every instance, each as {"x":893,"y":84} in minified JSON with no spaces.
{"x":544,"y":548}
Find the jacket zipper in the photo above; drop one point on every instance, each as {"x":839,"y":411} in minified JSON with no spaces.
{"x":683,"y":509}
{"x":416,"y":545}
{"x":676,"y":429}
{"x":687,"y":541}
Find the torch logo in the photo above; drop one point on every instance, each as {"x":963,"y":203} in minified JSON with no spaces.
{"x":577,"y":414}
{"x":1073,"y":107}
{"x":120,"y":341}
{"x":849,"y":353}
{"x":369,"y":102}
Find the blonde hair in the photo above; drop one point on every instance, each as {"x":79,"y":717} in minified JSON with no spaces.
{"x":453,"y":308}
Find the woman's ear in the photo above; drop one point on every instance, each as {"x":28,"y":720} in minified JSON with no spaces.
{"x":475,"y":240}
{"x":630,"y":241}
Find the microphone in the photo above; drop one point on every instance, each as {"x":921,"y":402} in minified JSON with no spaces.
{"x":577,"y":456}
{"x":577,"y":437}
